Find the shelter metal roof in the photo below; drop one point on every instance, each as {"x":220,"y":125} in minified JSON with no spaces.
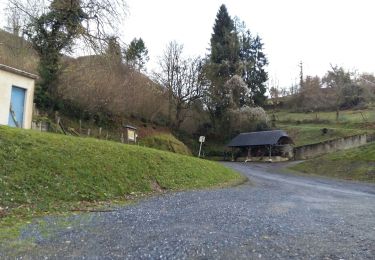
{"x":258,"y":138}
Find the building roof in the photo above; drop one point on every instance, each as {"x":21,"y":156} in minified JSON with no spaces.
{"x":259,"y":138}
{"x":18,"y":72}
{"x":130,"y":127}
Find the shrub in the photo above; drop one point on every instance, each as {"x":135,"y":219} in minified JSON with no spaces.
{"x":247,"y":119}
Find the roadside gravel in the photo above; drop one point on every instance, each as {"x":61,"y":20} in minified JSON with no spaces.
{"x":275,"y":216}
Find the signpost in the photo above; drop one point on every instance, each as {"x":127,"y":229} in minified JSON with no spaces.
{"x":201,"y":140}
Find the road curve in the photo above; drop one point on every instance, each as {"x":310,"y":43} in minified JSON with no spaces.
{"x":275,"y":216}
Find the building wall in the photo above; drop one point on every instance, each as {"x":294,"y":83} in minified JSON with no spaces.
{"x":314,"y":150}
{"x":7,"y":80}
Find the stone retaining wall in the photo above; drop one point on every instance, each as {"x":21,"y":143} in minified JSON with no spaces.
{"x":314,"y":150}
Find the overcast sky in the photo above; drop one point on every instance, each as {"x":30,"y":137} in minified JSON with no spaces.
{"x":317,"y":32}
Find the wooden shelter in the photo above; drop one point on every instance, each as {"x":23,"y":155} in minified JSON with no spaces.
{"x":258,"y":145}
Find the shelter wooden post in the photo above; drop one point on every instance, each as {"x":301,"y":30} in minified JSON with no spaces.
{"x":270,"y":153}
{"x":248,"y":159}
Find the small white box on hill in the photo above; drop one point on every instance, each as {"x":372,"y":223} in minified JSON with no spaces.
{"x":131,"y":133}
{"x":16,"y":97}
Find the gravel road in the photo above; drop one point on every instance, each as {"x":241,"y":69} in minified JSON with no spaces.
{"x":275,"y":216}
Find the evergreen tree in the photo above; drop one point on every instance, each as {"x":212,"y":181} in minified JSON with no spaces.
{"x":256,"y":76}
{"x":137,"y":54}
{"x":224,"y":42}
{"x":50,"y":34}
{"x":234,"y":51}
{"x":53,"y":28}
{"x":222,"y":64}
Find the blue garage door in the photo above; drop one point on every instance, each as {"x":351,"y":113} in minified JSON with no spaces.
{"x":17,"y":107}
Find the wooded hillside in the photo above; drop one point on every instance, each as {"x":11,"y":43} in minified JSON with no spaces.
{"x":18,"y":53}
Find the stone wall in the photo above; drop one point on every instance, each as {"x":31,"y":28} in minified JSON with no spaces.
{"x":314,"y":150}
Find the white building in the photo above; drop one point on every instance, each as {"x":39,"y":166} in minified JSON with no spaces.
{"x":16,"y":97}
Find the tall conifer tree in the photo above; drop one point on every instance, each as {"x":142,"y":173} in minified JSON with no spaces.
{"x":222,"y":64}
{"x":234,"y":51}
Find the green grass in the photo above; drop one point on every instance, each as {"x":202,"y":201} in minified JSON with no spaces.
{"x":353,"y":164}
{"x":42,"y":173}
{"x":305,"y":128}
{"x":165,"y":142}
{"x":310,"y":134}
{"x":346,"y":116}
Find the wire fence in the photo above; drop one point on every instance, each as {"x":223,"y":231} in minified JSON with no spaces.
{"x":122,"y":136}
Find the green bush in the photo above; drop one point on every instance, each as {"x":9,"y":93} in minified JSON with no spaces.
{"x":165,"y":142}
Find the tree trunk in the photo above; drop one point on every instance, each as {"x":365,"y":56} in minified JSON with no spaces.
{"x":178,"y":119}
{"x":170,"y":106}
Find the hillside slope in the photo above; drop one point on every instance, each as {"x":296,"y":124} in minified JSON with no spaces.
{"x":18,"y":53}
{"x":352,"y":164}
{"x":95,"y":85}
{"x":307,"y":128}
{"x":41,"y":171}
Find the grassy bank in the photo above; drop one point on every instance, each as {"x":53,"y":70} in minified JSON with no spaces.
{"x":354,"y":164}
{"x":345,"y":116}
{"x":306,"y":128}
{"x":42,"y":172}
{"x":310,"y":134}
{"x":165,"y":142}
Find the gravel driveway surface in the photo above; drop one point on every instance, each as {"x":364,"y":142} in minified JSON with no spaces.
{"x":275,"y":216}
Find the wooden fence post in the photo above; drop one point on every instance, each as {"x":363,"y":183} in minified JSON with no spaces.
{"x":57,"y":122}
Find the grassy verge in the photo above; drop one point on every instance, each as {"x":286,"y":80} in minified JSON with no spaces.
{"x":305,"y":128}
{"x":353,"y":164}
{"x":165,"y":142}
{"x":346,"y":116}
{"x":310,"y":134}
{"x":48,"y":173}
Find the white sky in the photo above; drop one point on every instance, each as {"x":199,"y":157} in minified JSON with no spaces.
{"x":317,"y":32}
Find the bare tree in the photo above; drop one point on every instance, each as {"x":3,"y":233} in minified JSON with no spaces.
{"x":100,"y":19}
{"x":55,"y":27}
{"x":15,"y":20}
{"x":275,"y":92}
{"x":367,"y":82}
{"x":181,"y":78}
{"x":117,"y":90}
{"x":336,"y":80}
